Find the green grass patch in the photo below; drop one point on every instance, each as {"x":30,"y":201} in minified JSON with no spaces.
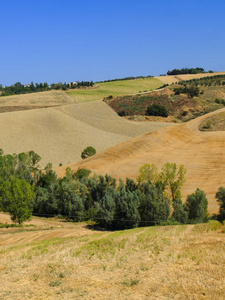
{"x":115,"y":88}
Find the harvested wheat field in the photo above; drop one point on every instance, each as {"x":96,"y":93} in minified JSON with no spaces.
{"x":171,"y":262}
{"x":34,"y":100}
{"x":202,"y":154}
{"x":60,"y":134}
{"x":175,"y":78}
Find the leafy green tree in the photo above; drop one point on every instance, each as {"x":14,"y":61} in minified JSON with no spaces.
{"x":87,"y":152}
{"x":149,"y":173}
{"x":126,"y":213}
{"x":69,"y":202}
{"x":220,"y":196}
{"x":173,"y":177}
{"x":17,"y":197}
{"x":179,"y":211}
{"x":197,"y":206}
{"x":104,"y":210}
{"x":154,"y":206}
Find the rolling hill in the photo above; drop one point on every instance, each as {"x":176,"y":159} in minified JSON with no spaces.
{"x":202,"y":154}
{"x":59,"y":134}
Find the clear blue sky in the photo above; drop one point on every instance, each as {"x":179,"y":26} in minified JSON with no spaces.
{"x":52,"y":40}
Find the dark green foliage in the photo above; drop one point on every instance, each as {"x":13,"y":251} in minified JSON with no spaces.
{"x":179,"y":212}
{"x":19,"y":88}
{"x":157,"y":110}
{"x":154,"y":207}
{"x":197,"y":206}
{"x":126,"y":213}
{"x":104,"y":209}
{"x":87,"y":152}
{"x":16,"y":198}
{"x":191,"y":91}
{"x":220,"y":101}
{"x":122,"y":113}
{"x":220,"y":196}
{"x":80,"y":173}
{"x":186,"y":71}
{"x":69,"y":203}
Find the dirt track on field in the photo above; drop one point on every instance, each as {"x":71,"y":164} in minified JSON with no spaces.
{"x":202,"y":154}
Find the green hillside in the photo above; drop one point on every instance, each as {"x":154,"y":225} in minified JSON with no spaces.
{"x":115,"y":88}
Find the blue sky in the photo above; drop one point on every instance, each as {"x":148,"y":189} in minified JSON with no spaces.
{"x":52,"y":41}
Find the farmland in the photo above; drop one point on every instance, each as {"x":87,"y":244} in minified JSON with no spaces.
{"x":58,"y":260}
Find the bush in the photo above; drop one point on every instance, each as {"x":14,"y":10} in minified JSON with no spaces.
{"x":122,"y":113}
{"x":87,"y":152}
{"x":157,"y":110}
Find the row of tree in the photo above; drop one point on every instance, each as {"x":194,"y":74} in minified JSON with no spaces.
{"x":187,"y":71}
{"x":215,"y":80}
{"x":19,"y":88}
{"x":154,"y":198}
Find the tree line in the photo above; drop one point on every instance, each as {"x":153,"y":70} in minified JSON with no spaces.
{"x":18,"y":88}
{"x":187,"y":71}
{"x":153,"y":199}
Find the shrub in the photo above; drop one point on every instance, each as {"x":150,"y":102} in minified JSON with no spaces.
{"x":157,"y":110}
{"x":87,"y":152}
{"x":122,"y":113}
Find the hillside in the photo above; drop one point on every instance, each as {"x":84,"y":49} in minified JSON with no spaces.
{"x":60,"y":134}
{"x":181,"y":101}
{"x":115,"y":88}
{"x":59,"y":260}
{"x":34,"y":100}
{"x":200,"y":152}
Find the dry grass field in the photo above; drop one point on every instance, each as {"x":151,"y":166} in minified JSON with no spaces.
{"x":202,"y":154}
{"x":58,"y":260}
{"x":175,"y":78}
{"x":115,"y":88}
{"x":34,"y":100}
{"x":60,"y":134}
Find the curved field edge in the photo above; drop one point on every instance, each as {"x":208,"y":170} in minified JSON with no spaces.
{"x":131,"y":264}
{"x":116,"y":88}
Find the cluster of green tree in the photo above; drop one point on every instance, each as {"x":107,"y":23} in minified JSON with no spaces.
{"x":154,"y":199}
{"x":19,"y":88}
{"x":126,"y":78}
{"x":157,"y":110}
{"x":186,"y":71}
{"x":191,"y":91}
{"x":215,"y":80}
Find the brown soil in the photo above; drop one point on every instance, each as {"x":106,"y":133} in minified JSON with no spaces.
{"x":201,"y":153}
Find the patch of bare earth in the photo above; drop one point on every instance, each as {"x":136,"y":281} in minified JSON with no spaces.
{"x":172,"y":262}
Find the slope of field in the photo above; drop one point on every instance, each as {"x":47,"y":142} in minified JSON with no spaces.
{"x":34,"y":100}
{"x":174,"y":78}
{"x":202,"y":154}
{"x":60,"y":134}
{"x":68,"y":261}
{"x":116,"y":88}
